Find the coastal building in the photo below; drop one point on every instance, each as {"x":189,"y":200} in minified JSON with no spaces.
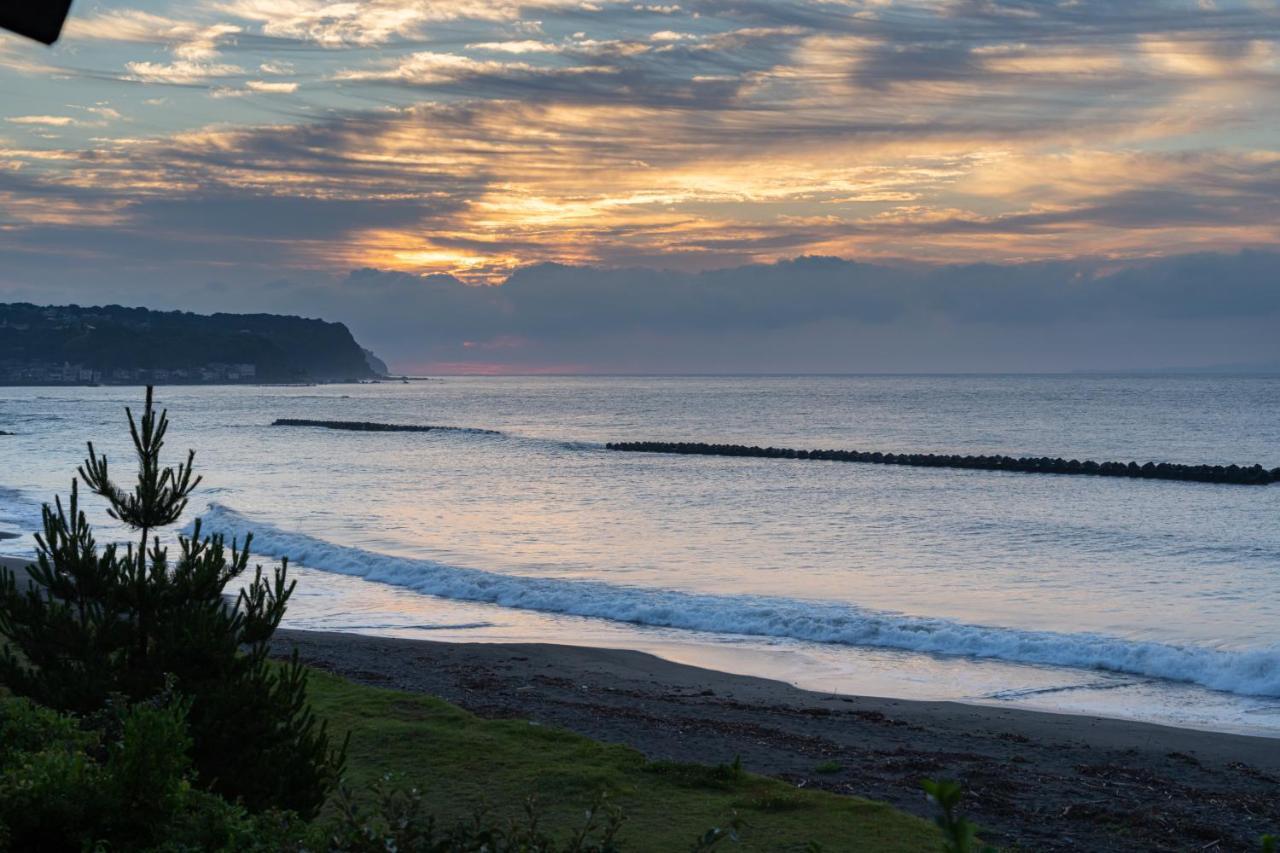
{"x":19,"y":372}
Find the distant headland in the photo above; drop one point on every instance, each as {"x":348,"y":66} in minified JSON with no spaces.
{"x":113,"y":345}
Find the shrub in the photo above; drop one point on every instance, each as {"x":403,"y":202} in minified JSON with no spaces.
{"x":96,"y":622}
{"x":959,"y":834}
{"x":51,"y":792}
{"x":722,"y":777}
{"x":396,"y":819}
{"x":117,"y":779}
{"x":147,"y":757}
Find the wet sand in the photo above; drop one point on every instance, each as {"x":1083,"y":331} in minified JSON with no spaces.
{"x":1035,"y":781}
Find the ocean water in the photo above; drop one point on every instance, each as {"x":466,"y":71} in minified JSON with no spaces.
{"x":1140,"y":599}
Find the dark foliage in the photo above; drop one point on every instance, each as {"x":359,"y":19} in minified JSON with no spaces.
{"x":959,"y":834}
{"x":282,"y":348}
{"x":97,"y":622}
{"x":395,"y":818}
{"x":63,"y":788}
{"x":118,"y":779}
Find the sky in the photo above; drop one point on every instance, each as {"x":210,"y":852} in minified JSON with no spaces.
{"x":705,"y":186}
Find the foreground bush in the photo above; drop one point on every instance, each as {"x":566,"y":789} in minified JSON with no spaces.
{"x":119,"y":780}
{"x":98,"y":622}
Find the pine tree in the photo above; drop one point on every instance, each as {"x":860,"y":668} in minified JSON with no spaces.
{"x":96,"y":622}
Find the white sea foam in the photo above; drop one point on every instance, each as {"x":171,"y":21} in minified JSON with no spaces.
{"x":1253,"y":672}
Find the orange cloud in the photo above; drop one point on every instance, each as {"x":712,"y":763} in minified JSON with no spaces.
{"x":475,"y":138}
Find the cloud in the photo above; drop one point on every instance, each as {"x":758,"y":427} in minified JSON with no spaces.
{"x":189,"y":41}
{"x":48,"y":121}
{"x":181,"y":72}
{"x":104,"y":112}
{"x":271,"y":87}
{"x":101,"y":116}
{"x":370,"y":22}
{"x":477,"y":189}
{"x":804,"y":314}
{"x":825,"y":314}
{"x":670,"y":35}
{"x":517,"y":46}
{"x":129,"y":25}
{"x":480,"y":140}
{"x":427,"y":68}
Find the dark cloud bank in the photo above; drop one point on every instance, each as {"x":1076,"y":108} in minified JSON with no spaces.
{"x":818,"y":314}
{"x":811,"y":314}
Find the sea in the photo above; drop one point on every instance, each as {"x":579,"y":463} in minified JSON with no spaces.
{"x":1139,"y":599}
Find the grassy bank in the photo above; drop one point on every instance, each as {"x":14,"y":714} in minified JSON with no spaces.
{"x":459,"y":761}
{"x":462,"y":762}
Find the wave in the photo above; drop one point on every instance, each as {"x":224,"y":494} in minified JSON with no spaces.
{"x":19,"y":514}
{"x":1254,"y":672}
{"x":396,"y":626}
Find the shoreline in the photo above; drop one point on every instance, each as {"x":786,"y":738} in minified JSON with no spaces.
{"x":796,"y":673}
{"x":1033,"y":779}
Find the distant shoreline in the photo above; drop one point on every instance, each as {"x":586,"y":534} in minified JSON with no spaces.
{"x":248,"y":384}
{"x":1154,"y":373}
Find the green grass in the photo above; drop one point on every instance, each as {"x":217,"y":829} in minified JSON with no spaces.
{"x":461,"y":761}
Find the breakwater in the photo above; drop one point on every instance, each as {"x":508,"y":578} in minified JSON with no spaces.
{"x":371,"y":426}
{"x":1253,"y":475}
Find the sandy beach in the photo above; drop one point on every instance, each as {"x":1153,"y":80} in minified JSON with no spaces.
{"x":1035,"y":781}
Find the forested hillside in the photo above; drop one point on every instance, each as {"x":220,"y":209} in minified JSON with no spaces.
{"x":112,"y":344}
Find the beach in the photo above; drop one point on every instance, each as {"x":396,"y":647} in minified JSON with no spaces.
{"x":1034,"y":781}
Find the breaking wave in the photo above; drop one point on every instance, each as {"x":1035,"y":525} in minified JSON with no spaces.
{"x":1251,"y":672}
{"x":19,"y":517}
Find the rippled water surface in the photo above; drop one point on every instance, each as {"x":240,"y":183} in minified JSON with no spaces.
{"x":1147,"y":599}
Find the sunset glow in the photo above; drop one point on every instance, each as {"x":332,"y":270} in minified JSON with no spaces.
{"x":236,"y":143}
{"x":497,"y":135}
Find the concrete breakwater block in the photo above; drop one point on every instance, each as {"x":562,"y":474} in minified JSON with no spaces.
{"x":371,"y":426}
{"x":1253,"y":475}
